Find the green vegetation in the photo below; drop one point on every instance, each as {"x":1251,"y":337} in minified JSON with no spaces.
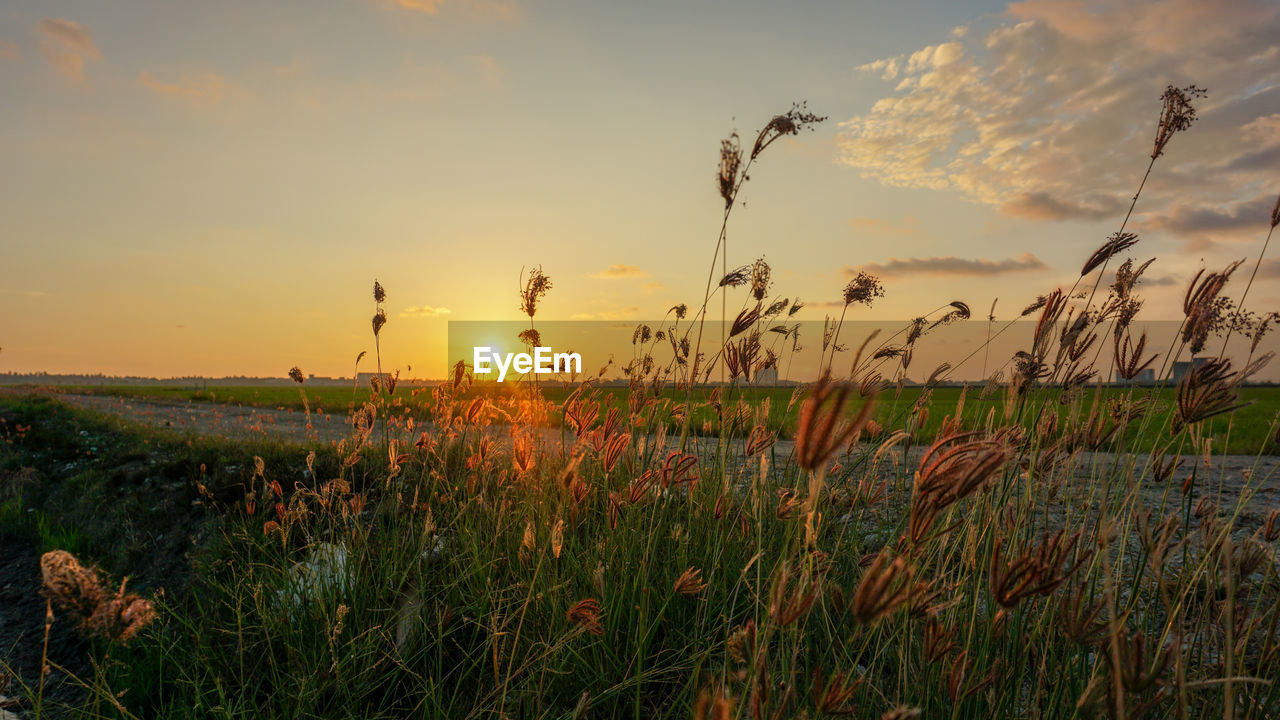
{"x":471,"y":586}
{"x":1251,"y":429}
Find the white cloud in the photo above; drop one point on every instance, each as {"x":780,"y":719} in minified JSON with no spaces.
{"x":1051,"y":114}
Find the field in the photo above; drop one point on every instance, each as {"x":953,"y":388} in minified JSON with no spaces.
{"x":1041,"y":546}
{"x":1249,"y":430}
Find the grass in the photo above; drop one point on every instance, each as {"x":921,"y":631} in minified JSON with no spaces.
{"x":958,"y":556}
{"x":456,"y":598}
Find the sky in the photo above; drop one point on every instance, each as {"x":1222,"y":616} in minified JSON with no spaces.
{"x":211,"y":188}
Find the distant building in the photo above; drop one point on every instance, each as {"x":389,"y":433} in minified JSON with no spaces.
{"x":766,"y":376}
{"x":1181,"y":368}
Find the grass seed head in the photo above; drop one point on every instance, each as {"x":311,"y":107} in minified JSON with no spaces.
{"x":730,"y":162}
{"x":760,"y":279}
{"x":1176,"y":115}
{"x":1116,"y":244}
{"x":823,"y":428}
{"x":863,"y":289}
{"x":1207,"y":390}
{"x":790,"y":123}
{"x":536,"y":285}
{"x":690,"y":582}
{"x":1038,"y":571}
{"x":885,"y":586}
{"x":587,"y":614}
{"x":1204,"y":306}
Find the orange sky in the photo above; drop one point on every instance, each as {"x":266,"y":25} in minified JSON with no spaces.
{"x":212,"y":188}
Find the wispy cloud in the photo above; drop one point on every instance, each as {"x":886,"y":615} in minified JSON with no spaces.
{"x":951,"y":266}
{"x":424,"y":311}
{"x":10,"y":51}
{"x":619,"y":271}
{"x":430,"y":7}
{"x":204,"y":90}
{"x":488,"y":9}
{"x":66,"y":45}
{"x":1043,"y":206}
{"x":1050,"y":115}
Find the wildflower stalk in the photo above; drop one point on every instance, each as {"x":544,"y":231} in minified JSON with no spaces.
{"x":1123,"y":224}
{"x":733,"y":174}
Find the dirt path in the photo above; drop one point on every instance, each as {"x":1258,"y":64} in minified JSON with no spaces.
{"x":1221,"y":480}
{"x":218,"y":419}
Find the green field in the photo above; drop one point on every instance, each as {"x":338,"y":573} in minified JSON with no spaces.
{"x":1249,"y":430}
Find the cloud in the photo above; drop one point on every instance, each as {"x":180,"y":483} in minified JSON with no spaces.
{"x":488,"y":9}
{"x":205,"y":90}
{"x":1050,"y":114}
{"x":1043,"y":206}
{"x":424,"y":311}
{"x":10,"y":51}
{"x":951,"y":266}
{"x":908,"y":228}
{"x":618,"y":271}
{"x":887,"y":68}
{"x":1161,"y":280}
{"x":430,"y":7}
{"x":65,"y":46}
{"x":1186,"y":218}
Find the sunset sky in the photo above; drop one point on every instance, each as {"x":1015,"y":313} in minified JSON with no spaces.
{"x":211,"y":188}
